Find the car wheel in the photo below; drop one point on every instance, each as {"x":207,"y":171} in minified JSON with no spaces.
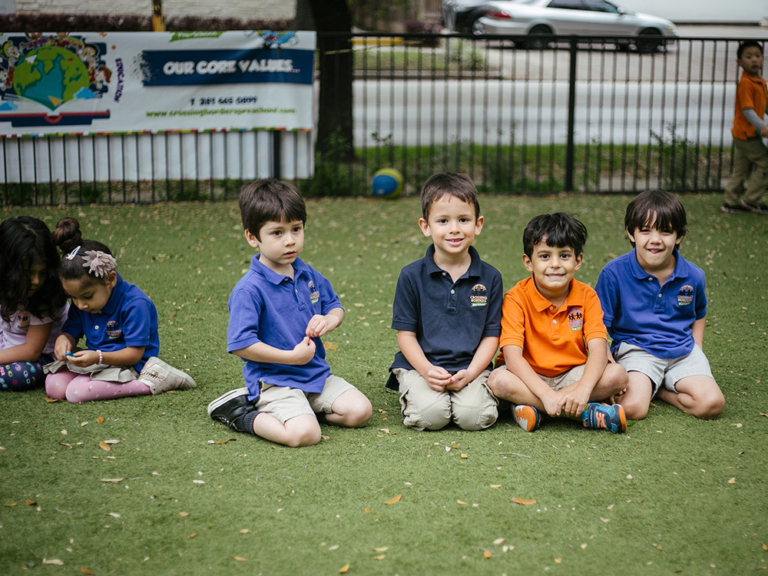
{"x":477,"y":27}
{"x":648,"y":41}
{"x":535,"y":40}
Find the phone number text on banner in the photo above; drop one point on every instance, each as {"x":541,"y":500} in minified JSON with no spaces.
{"x":128,"y":82}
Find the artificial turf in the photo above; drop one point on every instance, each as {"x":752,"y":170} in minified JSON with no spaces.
{"x":672,"y":495}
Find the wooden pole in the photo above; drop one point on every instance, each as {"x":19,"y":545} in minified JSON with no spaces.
{"x":158,"y":22}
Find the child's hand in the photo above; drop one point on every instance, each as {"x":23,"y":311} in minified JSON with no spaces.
{"x":62,"y":346}
{"x":458,"y":381}
{"x":304,"y":351}
{"x":574,"y":399}
{"x":319,"y":325}
{"x":553,"y":403}
{"x":84,"y":358}
{"x":764,"y":131}
{"x":438,"y":378}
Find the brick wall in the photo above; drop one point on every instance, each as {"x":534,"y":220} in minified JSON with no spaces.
{"x":266,"y":9}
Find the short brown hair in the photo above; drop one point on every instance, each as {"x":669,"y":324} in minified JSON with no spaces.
{"x":270,"y":200}
{"x":457,"y":185}
{"x":658,"y":208}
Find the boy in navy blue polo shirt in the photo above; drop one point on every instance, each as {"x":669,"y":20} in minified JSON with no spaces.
{"x":447,"y":313}
{"x":655,"y":310}
{"x":278,"y":312}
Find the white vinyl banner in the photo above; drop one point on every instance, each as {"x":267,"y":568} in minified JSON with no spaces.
{"x":152,"y":82}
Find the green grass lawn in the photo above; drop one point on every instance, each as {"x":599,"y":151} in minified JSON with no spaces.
{"x":672,"y":495}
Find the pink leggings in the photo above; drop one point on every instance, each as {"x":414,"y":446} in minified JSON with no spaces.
{"x":80,"y":388}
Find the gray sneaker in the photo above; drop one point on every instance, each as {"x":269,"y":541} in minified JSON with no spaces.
{"x":160,"y":377}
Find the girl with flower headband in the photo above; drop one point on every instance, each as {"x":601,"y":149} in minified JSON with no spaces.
{"x":119,"y":323}
{"x":33,"y":304}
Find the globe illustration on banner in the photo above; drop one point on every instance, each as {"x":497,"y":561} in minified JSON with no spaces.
{"x":50,"y":76}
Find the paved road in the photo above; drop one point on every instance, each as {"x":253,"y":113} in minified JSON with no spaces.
{"x":620,"y":97}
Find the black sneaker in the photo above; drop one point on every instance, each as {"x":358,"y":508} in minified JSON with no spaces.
{"x":760,"y":208}
{"x":735,"y":209}
{"x":229,"y":407}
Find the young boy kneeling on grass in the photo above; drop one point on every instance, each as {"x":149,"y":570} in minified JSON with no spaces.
{"x":655,"y":310}
{"x":553,"y":342}
{"x":447,"y":314}
{"x":278,"y":312}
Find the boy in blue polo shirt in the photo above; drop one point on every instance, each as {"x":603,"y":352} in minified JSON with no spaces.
{"x":278,"y":312}
{"x":447,"y":313}
{"x":655,"y":310}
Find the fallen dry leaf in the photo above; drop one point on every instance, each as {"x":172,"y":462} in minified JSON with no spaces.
{"x":112,"y":480}
{"x":495,"y":485}
{"x":763,"y":414}
{"x":193,"y":534}
{"x":394,"y":500}
{"x":11,"y":505}
{"x":499,"y":541}
{"x":558,"y":560}
{"x":241,"y":559}
{"x":324,"y":437}
{"x":522,"y":501}
{"x":183,"y":514}
{"x":464,"y":456}
{"x":344,"y":569}
{"x":381,"y":557}
{"x":331,"y":346}
{"x":487,"y":554}
{"x":461,"y":503}
{"x":31,"y":502}
{"x":382,"y":549}
{"x":113,"y":514}
{"x":104,"y":446}
{"x":110,"y":442}
{"x":51,"y":400}
{"x":765,"y":547}
{"x":732,"y":480}
{"x":367,"y":511}
{"x":54,"y":561}
{"x":100,"y":420}
{"x":87,"y":571}
{"x":244,"y":531}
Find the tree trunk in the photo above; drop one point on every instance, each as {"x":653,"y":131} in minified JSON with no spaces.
{"x":334,"y":128}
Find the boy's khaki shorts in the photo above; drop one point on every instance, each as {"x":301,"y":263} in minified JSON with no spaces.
{"x":285,"y":403}
{"x":561,"y":380}
{"x":473,"y":407}
{"x":662,"y":371}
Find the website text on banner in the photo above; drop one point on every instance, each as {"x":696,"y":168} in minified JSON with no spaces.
{"x":96,"y":83}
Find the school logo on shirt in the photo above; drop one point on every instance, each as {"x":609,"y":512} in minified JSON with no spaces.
{"x":314,"y":295}
{"x":479,"y":295}
{"x":685,"y":296}
{"x":113,"y":330}
{"x":575,"y":319}
{"x":22,"y":320}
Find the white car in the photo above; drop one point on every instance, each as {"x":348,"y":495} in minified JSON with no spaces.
{"x":534,"y":18}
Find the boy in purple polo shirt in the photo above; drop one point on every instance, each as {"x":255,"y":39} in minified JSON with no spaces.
{"x":278,"y":312}
{"x":447,"y":313}
{"x":655,"y":309}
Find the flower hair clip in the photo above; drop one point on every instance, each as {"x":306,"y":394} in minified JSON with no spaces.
{"x":71,"y":255}
{"x":98,"y":263}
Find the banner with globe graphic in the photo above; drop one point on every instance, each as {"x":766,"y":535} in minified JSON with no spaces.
{"x":133,"y":82}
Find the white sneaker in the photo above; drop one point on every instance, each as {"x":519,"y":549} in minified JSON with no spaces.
{"x":160,"y":377}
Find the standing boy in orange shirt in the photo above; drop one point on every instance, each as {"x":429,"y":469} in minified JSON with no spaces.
{"x":553,"y":341}
{"x":748,"y":133}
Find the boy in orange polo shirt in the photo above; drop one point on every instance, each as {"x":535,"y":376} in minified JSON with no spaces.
{"x":554,"y":348}
{"x":748,"y":133}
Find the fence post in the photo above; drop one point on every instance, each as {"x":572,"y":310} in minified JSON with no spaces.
{"x":569,"y":152}
{"x":277,"y":156}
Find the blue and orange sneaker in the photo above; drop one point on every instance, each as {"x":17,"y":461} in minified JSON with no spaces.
{"x":604,"y":417}
{"x":527,"y":417}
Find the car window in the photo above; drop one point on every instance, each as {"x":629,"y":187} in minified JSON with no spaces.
{"x":601,"y":6}
{"x":567,"y":4}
